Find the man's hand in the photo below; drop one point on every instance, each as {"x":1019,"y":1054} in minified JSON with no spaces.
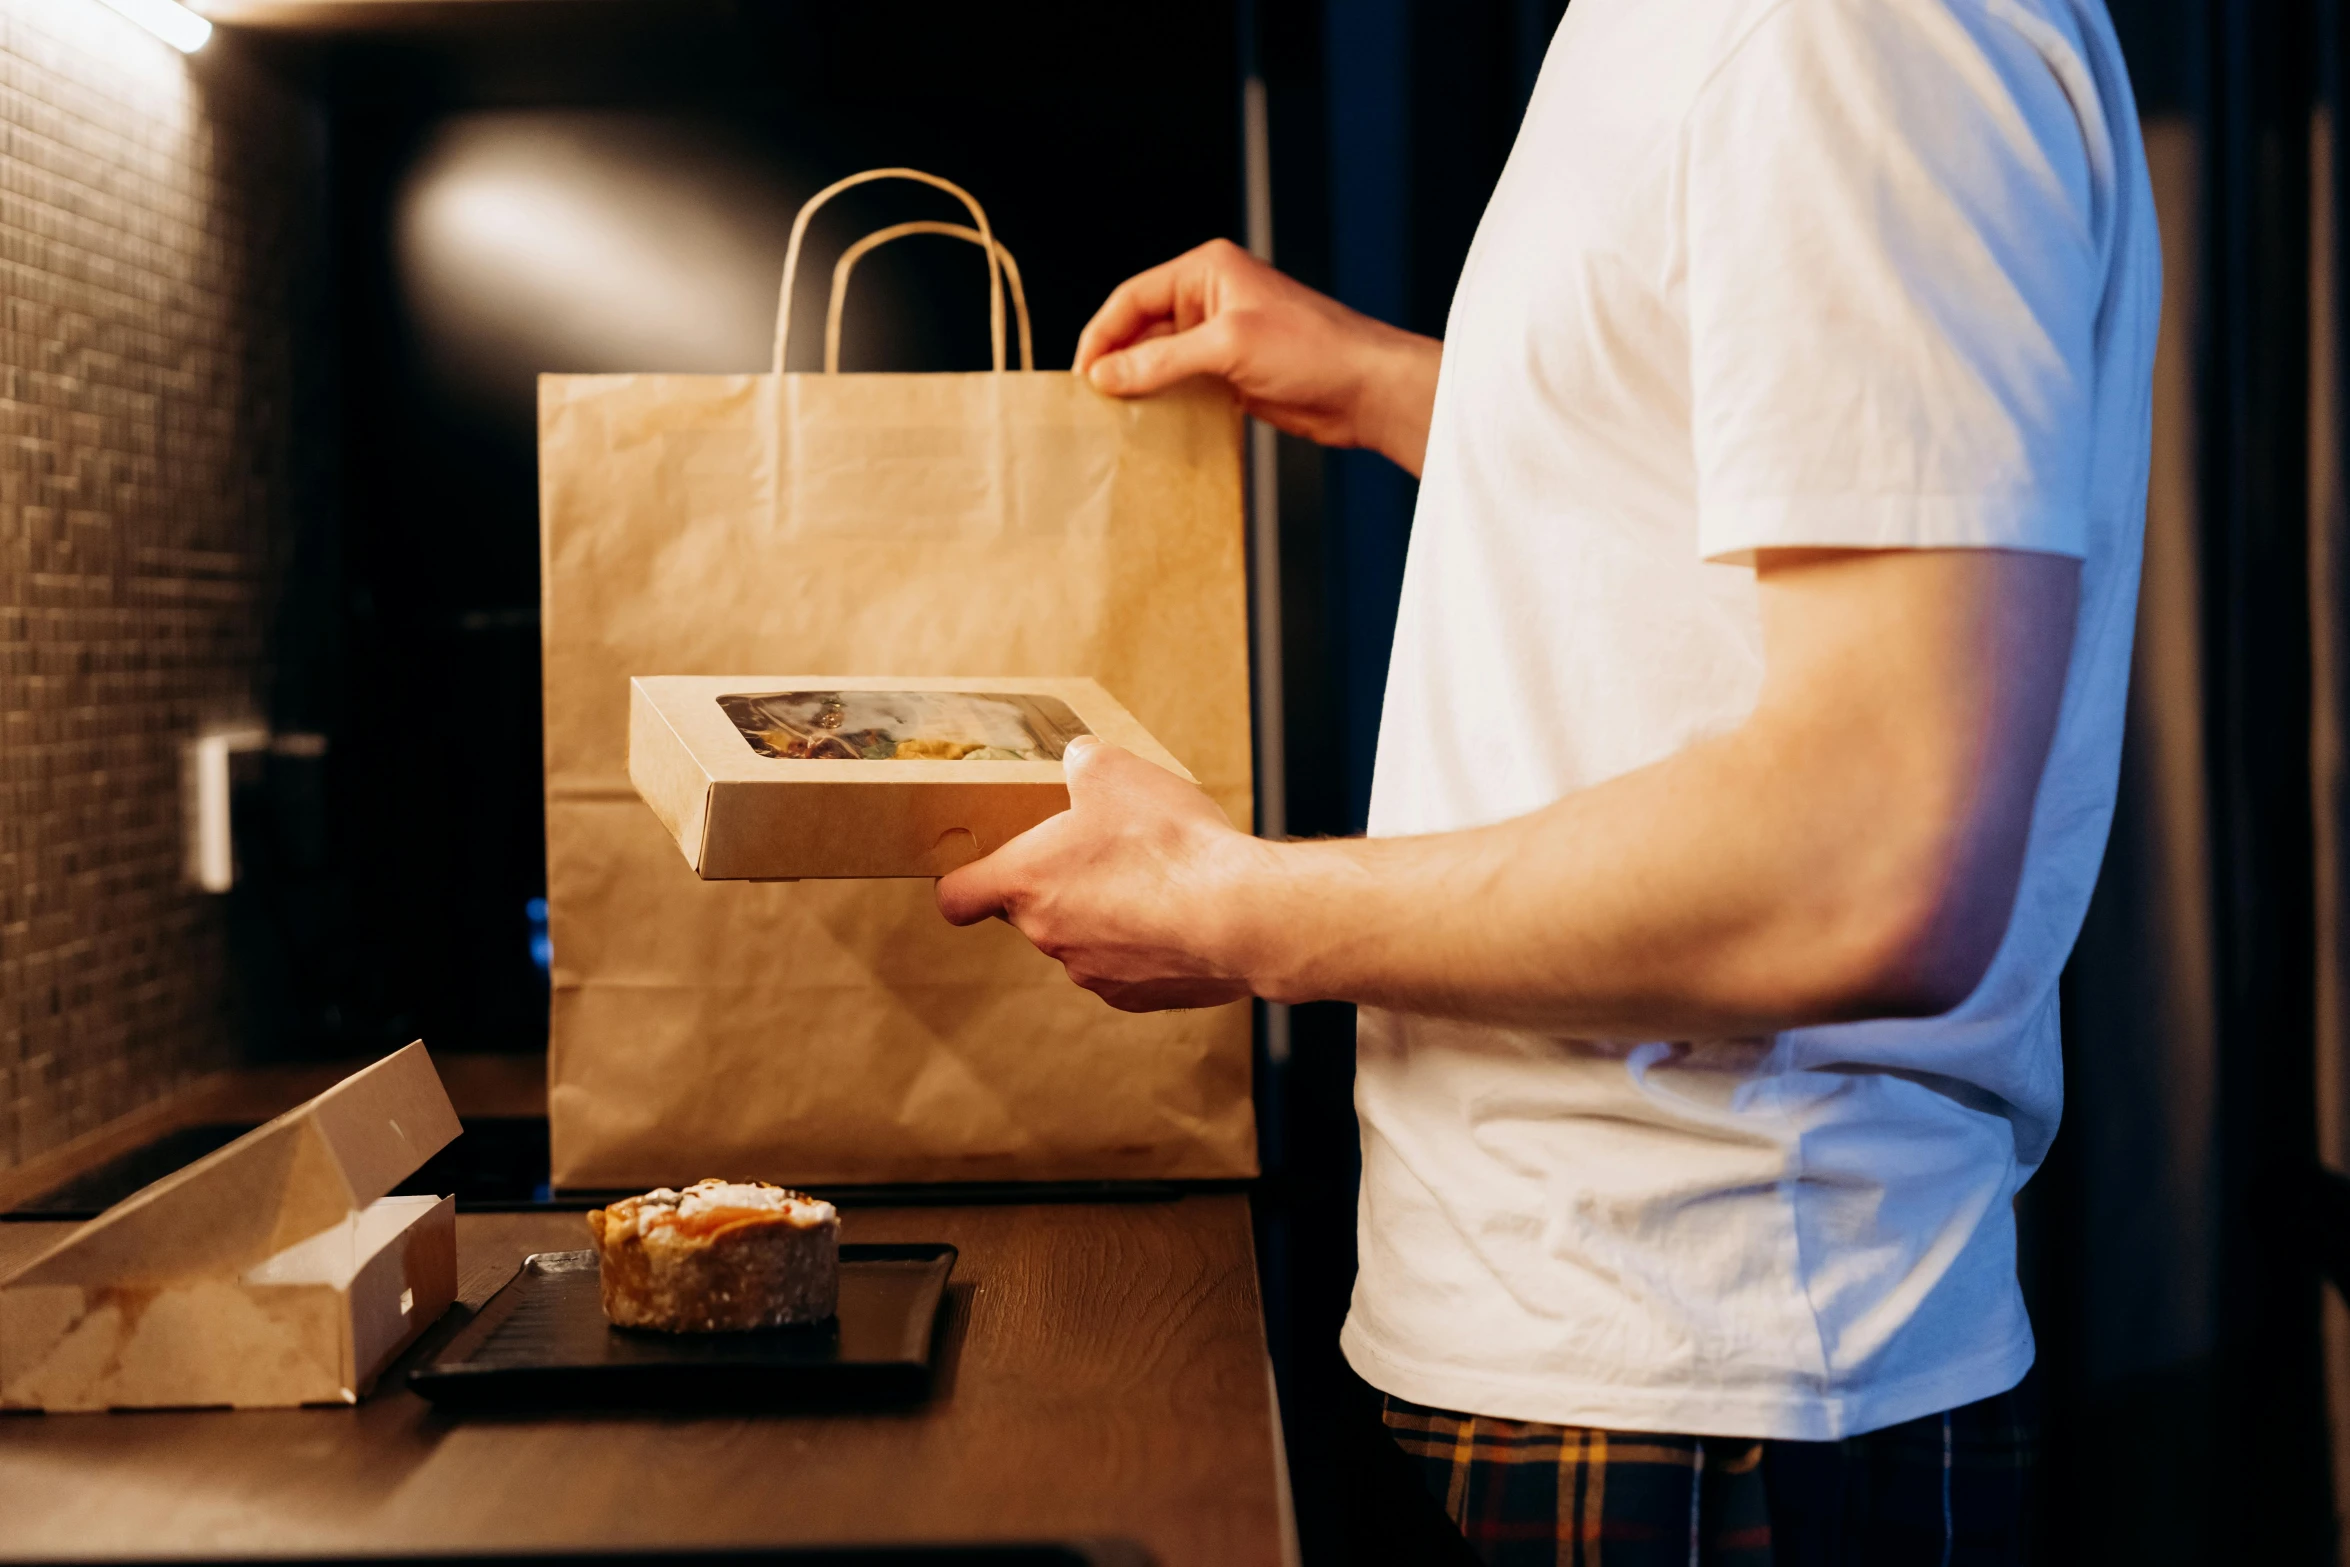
{"x":1851,"y":851}
{"x":1297,"y":359}
{"x":1123,"y":887}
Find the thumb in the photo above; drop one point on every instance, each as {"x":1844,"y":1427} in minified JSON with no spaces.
{"x":1100,"y":774}
{"x":1081,"y":761}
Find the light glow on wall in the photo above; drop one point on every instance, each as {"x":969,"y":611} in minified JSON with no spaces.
{"x":175,"y":24}
{"x":531,"y":240}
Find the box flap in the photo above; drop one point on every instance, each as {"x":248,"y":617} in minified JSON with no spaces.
{"x":335,"y":1255}
{"x":304,"y":1172}
{"x":662,"y":769}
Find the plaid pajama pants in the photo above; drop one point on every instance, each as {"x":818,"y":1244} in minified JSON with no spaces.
{"x":1945,"y":1491}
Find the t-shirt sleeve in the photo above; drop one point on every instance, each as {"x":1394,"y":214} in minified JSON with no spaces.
{"x":1893,"y":274}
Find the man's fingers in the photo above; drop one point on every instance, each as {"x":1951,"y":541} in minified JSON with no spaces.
{"x":1159,"y":362}
{"x":1174,"y":296}
{"x":983,"y":889}
{"x":975,"y":892}
{"x":1132,"y":308}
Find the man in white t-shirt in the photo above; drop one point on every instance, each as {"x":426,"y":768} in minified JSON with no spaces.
{"x":1749,"y":748}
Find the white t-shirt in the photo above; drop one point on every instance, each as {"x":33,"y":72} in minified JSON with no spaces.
{"x":1759,"y":273}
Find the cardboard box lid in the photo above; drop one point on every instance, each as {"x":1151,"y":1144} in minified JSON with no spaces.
{"x":304,"y":1173}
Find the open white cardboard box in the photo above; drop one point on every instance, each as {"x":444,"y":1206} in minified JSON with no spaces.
{"x":272,"y":1272}
{"x":739,"y":814}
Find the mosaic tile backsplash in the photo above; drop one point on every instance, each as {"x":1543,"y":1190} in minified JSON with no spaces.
{"x":159,"y":222}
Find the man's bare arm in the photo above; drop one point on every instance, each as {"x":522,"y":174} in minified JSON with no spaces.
{"x":1852,"y":850}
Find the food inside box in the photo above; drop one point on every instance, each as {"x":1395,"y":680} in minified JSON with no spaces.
{"x":879,"y":726}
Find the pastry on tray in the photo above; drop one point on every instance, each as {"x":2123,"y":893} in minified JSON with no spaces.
{"x":718,"y":1257}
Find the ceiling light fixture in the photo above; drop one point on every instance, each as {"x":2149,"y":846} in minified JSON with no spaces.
{"x":175,"y":24}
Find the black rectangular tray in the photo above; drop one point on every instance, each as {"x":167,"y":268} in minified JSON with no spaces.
{"x":543,"y":1340}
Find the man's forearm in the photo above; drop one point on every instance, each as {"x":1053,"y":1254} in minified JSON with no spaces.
{"x":1668,"y":902}
{"x":1851,"y":851}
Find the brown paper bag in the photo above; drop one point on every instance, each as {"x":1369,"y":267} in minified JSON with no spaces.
{"x":1003,"y":523}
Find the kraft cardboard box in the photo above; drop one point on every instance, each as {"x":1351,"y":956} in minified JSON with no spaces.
{"x":272,"y":1272}
{"x":793,"y":777}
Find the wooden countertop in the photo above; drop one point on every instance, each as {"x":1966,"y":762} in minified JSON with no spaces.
{"x":1103,"y":1375}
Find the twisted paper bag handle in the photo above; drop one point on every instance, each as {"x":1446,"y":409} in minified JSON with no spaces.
{"x":987,"y":245}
